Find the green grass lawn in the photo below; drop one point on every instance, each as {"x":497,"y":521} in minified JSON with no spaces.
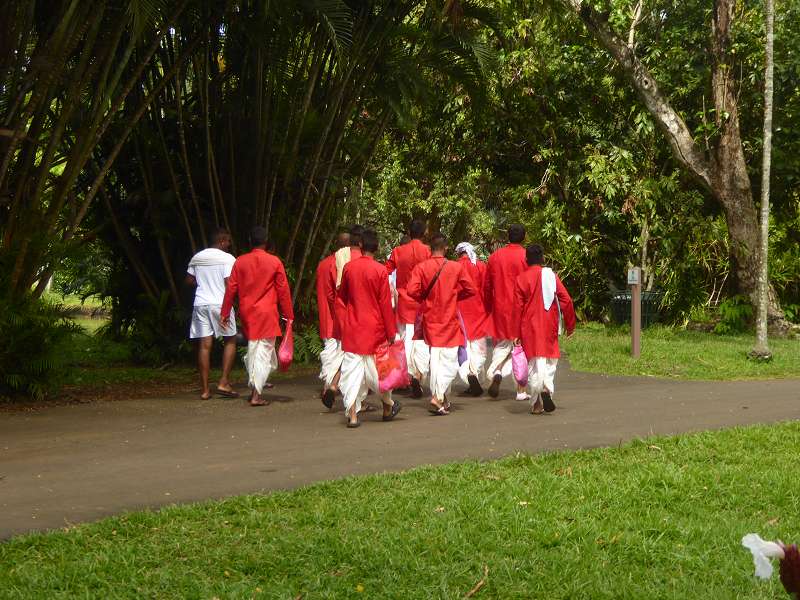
{"x":672,"y":352}
{"x":660,"y":518}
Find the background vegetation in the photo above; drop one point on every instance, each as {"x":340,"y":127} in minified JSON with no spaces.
{"x":128,"y":128}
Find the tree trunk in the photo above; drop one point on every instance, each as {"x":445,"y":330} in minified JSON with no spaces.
{"x":761,"y":349}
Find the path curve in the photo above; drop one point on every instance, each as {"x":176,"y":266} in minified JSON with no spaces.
{"x":69,"y":464}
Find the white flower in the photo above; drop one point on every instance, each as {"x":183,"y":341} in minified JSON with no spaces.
{"x":762,"y":551}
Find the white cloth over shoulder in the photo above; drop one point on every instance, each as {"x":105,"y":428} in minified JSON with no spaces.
{"x":548,"y":287}
{"x":210,"y":267}
{"x":342,"y":258}
{"x":260,"y":361}
{"x":469,"y":249}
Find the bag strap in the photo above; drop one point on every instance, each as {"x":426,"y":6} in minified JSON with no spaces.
{"x":433,"y":281}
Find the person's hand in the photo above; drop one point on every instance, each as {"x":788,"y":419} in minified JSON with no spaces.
{"x":225,"y":321}
{"x":517,"y":342}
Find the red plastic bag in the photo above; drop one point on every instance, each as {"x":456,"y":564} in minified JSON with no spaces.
{"x":286,"y":350}
{"x":390,"y":361}
{"x":519,"y":364}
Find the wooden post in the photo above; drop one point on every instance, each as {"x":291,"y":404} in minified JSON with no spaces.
{"x":635,"y":281}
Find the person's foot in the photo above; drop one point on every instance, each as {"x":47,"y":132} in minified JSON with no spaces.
{"x":205,"y":396}
{"x":226,"y":391}
{"x":494,"y":388}
{"x":390,"y":412}
{"x":475,"y":388}
{"x":328,"y":397}
{"x":416,"y":388}
{"x":536,"y":407}
{"x":367,"y":407}
{"x":258,"y":402}
{"x":437,"y":409}
{"x":522,"y":396}
{"x":547,"y":401}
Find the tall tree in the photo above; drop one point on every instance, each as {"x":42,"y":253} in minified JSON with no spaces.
{"x":761,"y":349}
{"x":720,"y":166}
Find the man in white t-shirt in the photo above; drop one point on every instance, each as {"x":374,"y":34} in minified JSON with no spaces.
{"x":208,"y":271}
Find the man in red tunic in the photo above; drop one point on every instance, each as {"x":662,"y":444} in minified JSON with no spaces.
{"x":331,"y":355}
{"x":259,"y":280}
{"x":369,"y":323}
{"x":505,"y":265}
{"x":540,"y":299}
{"x":476,"y":320}
{"x":402,"y":261}
{"x":438,"y":284}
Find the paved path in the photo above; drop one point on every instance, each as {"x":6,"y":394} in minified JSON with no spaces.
{"x":68,"y":464}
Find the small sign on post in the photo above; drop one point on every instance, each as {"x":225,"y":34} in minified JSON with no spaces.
{"x":635,"y":281}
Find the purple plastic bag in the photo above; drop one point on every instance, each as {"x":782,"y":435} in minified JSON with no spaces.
{"x":519,"y":364}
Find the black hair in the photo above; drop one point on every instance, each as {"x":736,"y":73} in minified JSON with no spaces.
{"x":216,"y":234}
{"x":438,"y":242}
{"x":516,"y":233}
{"x":405,"y":239}
{"x":534,"y":254}
{"x":342,"y":239}
{"x":258,"y":236}
{"x":369,"y":241}
{"x":417,"y":229}
{"x":356,"y":231}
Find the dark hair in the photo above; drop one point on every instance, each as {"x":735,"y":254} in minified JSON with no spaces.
{"x":534,"y":254}
{"x":417,"y":229}
{"x":438,"y":242}
{"x":405,"y":239}
{"x":258,"y":236}
{"x":516,"y":233}
{"x":342,"y":239}
{"x":369,"y":241}
{"x":356,"y":231}
{"x":217,"y":234}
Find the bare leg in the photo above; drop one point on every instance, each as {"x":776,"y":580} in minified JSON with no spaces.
{"x":228,"y":358}
{"x":204,"y":364}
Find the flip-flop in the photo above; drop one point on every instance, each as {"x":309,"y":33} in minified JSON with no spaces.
{"x":351,"y":425}
{"x":547,"y":401}
{"x":227,"y":393}
{"x":328,"y":397}
{"x":494,"y":388}
{"x":440,"y":412}
{"x":395,"y":409}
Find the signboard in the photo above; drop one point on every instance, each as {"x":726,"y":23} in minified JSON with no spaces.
{"x":634,"y":276}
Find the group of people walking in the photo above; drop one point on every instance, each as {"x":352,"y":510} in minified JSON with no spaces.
{"x":452,"y":316}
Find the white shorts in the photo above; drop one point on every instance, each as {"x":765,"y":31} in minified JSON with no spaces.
{"x":206,"y":322}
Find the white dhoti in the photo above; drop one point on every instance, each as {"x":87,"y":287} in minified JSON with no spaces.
{"x":541,"y":376}
{"x":418,"y":353}
{"x":444,"y":369}
{"x":476,"y":361}
{"x":331,"y":359}
{"x":260,"y":361}
{"x":359,"y":374}
{"x":501,"y":359}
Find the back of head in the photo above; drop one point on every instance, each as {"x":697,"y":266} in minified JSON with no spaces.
{"x":404,"y":239}
{"x":534,"y":254}
{"x":258,"y":236}
{"x":516,"y":233}
{"x":343,"y":239}
{"x":417,"y":229}
{"x":438,"y":243}
{"x":356,"y":231}
{"x":369,"y":241}
{"x":219,"y":235}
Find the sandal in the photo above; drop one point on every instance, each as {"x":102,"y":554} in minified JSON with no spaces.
{"x":352,"y":425}
{"x":227,"y":393}
{"x":328,"y":397}
{"x":547,"y":400}
{"x":536,"y":407}
{"x":395,"y":409}
{"x":438,"y":411}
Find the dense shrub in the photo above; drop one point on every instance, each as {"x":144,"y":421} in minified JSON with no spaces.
{"x":35,"y":334}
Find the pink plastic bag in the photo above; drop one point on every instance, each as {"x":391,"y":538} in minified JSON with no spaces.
{"x":390,"y":361}
{"x":286,"y":350}
{"x":519,"y":364}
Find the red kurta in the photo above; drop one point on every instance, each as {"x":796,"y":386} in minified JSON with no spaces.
{"x":259,"y":280}
{"x":440,"y":309}
{"x":326,"y":294}
{"x":537,"y":327}
{"x":369,"y":318}
{"x":404,"y":258}
{"x":476,"y":319}
{"x":505,"y":265}
{"x":339,"y":309}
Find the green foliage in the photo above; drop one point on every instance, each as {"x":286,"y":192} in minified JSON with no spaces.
{"x":33,"y":357}
{"x":735,"y":315}
{"x":307,"y":345}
